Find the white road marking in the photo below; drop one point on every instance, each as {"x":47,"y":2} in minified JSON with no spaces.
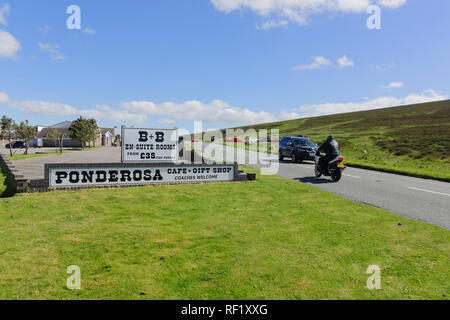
{"x":429,"y":191}
{"x":349,"y":175}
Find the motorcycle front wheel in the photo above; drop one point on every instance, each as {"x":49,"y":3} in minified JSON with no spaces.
{"x":317,"y":171}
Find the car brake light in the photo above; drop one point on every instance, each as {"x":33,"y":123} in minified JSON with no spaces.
{"x":341,"y":159}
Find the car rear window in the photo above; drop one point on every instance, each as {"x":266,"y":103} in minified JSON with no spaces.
{"x":299,"y":143}
{"x":304,"y":143}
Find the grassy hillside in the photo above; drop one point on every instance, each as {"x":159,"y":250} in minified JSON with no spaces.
{"x":412,"y":139}
{"x":290,"y":241}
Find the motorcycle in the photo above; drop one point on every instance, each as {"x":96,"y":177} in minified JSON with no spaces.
{"x":334,"y":168}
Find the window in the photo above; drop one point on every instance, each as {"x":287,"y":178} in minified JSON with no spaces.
{"x":304,"y":143}
{"x":311,"y":144}
{"x":299,"y":143}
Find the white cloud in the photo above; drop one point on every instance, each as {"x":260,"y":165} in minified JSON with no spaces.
{"x":289,"y":115}
{"x":345,"y":62}
{"x":103,"y":107}
{"x":394,"y":85}
{"x":383,"y":67}
{"x":9,"y":46}
{"x":318,"y":63}
{"x":44,"y":108}
{"x":89,"y":31}
{"x":166,"y":121}
{"x":119,"y":116}
{"x":217,"y":112}
{"x":58,"y":57}
{"x":377,"y":103}
{"x":392,"y":4}
{"x":4,"y":99}
{"x":53,"y":49}
{"x":299,"y":11}
{"x":4,"y":10}
{"x":48,"y":47}
{"x":44,"y":29}
{"x":272,"y":24}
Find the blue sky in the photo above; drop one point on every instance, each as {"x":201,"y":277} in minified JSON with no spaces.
{"x":165,"y":63}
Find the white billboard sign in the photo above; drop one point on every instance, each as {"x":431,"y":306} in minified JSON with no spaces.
{"x":149,"y":145}
{"x":142,"y":175}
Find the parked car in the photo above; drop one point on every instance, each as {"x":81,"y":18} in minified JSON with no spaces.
{"x":16,"y":145}
{"x":297,"y":148}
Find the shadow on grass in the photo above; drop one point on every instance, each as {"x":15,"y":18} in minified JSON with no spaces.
{"x":7,"y":190}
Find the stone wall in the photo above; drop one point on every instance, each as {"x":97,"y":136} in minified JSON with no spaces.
{"x":18,"y":181}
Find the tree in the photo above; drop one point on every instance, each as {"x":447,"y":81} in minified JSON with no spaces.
{"x":2,"y":136}
{"x":61,"y":142}
{"x":25,"y":132}
{"x":7,"y":126}
{"x":93,"y":130}
{"x":117,"y":140}
{"x":81,"y":130}
{"x":54,"y":135}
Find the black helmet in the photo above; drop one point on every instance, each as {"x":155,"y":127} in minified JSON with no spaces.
{"x":330,"y":138}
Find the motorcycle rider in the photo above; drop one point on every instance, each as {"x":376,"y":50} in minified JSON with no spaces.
{"x":331,"y":148}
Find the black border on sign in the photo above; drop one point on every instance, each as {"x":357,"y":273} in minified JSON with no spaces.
{"x":50,"y":166}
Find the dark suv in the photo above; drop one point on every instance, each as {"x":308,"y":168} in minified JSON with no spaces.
{"x":16,"y":145}
{"x":297,"y":148}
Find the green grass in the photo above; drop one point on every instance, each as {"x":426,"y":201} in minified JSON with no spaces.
{"x":16,"y":157}
{"x":269,"y":239}
{"x":3,"y":184}
{"x":6,"y":189}
{"x":413,"y":140}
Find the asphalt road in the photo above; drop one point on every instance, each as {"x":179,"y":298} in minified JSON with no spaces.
{"x":418,"y":199}
{"x":33,"y":168}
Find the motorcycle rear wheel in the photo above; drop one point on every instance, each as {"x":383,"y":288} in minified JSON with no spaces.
{"x":336,"y":175}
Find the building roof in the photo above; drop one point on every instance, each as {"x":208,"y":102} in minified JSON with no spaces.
{"x":46,"y":132}
{"x":106,"y":130}
{"x":61,"y":125}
